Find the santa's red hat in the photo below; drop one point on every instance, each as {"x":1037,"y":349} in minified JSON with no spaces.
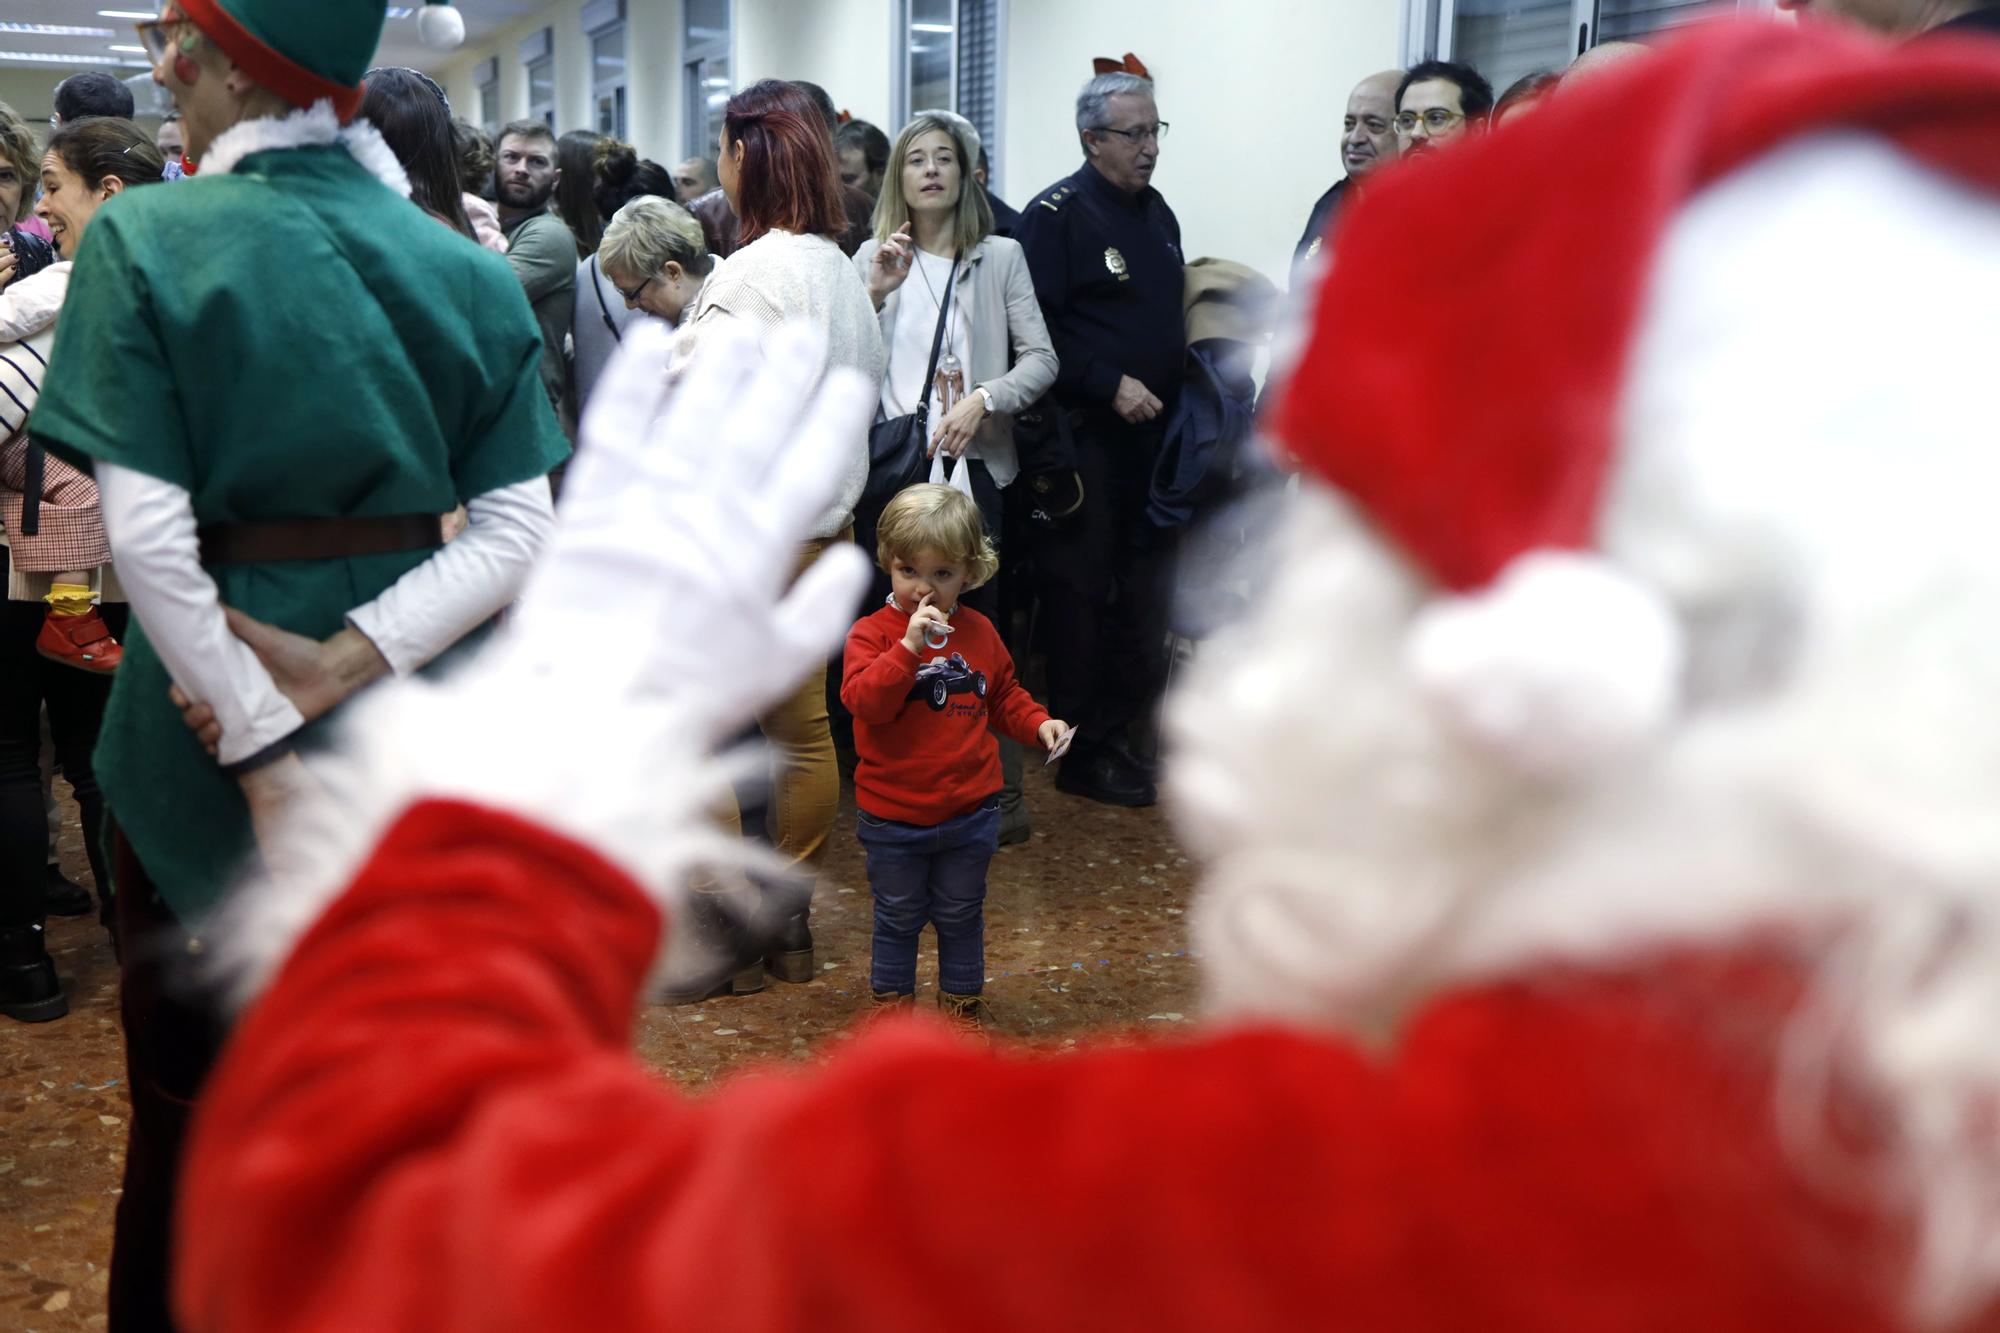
{"x":1466,"y":358}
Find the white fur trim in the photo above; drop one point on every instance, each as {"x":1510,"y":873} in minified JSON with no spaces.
{"x":440,"y":26}
{"x":1805,"y":475}
{"x":1564,"y":665}
{"x":647,"y":807}
{"x":316,"y":124}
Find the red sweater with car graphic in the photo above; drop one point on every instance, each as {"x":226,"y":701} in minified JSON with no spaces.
{"x":923,"y":750}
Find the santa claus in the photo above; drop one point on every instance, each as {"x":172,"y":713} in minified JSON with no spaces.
{"x":1601,"y":809}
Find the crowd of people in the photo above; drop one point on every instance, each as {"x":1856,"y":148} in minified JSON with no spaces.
{"x":204,"y":578}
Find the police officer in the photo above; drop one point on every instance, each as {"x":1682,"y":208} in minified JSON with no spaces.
{"x":1105,"y":253}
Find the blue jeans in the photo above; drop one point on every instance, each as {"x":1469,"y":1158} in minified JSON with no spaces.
{"x":934,"y":873}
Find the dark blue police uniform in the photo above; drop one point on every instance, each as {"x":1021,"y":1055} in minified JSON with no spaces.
{"x":1107,"y":268}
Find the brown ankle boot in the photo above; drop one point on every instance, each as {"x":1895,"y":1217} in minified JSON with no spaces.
{"x":967,"y":1012}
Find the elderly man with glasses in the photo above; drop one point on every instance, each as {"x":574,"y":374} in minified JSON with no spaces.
{"x":1105,"y":253}
{"x":1438,"y":101}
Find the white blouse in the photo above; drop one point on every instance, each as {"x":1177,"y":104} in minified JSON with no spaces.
{"x":916,"y":325}
{"x":152,"y":528}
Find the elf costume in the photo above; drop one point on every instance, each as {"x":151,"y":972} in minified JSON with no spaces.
{"x":276,"y":425}
{"x":1599,"y":810}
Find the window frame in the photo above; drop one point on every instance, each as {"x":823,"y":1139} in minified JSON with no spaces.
{"x":486,"y":91}
{"x":900,"y":101}
{"x":1429,"y":27}
{"x":618,"y":88}
{"x":537,"y":53}
{"x":697,"y":127}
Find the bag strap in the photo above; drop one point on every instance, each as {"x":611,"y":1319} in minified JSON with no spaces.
{"x":603,"y":307}
{"x":923,"y":412}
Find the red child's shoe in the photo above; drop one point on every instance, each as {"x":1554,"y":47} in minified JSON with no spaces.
{"x":83,"y":642}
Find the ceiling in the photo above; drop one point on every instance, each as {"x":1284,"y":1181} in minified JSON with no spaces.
{"x":68,"y":52}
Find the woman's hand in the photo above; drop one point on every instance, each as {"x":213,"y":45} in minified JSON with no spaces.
{"x":9,"y":262}
{"x":890,"y":266}
{"x":921,"y":619}
{"x":955,"y":432}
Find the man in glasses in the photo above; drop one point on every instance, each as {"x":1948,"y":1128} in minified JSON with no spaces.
{"x":275,"y":425}
{"x":1438,"y":101}
{"x":1105,"y":253}
{"x":1367,"y":140}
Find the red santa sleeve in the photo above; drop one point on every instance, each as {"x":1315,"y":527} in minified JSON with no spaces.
{"x":876,"y":671}
{"x":432,"y":1122}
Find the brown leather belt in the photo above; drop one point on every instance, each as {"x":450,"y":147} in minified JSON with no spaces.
{"x":266,"y":540}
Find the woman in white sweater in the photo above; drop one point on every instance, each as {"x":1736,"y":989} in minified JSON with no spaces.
{"x":995,"y":358}
{"x":777,"y":171}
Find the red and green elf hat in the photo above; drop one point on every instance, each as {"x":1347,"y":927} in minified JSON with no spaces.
{"x":302,"y":50}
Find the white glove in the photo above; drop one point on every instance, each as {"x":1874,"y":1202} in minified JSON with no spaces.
{"x":680,"y":530}
{"x":657,"y":624}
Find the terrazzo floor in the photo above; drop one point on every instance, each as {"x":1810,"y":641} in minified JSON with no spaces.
{"x":1084,"y":932}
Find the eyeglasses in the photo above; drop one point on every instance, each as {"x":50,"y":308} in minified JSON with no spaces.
{"x":153,"y":34}
{"x":1435,"y":120}
{"x":1138,"y":136}
{"x":632,"y":297}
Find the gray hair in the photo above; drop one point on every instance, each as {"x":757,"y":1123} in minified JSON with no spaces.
{"x":648,"y":233}
{"x":1090,"y":110}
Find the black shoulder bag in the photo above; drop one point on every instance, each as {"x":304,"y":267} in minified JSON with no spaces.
{"x":899,"y":449}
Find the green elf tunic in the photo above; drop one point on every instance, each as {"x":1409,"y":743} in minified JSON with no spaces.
{"x":286,"y":339}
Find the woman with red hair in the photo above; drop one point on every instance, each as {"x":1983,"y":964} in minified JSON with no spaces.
{"x":777,"y":170}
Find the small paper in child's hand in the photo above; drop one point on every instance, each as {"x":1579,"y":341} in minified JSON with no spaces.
{"x":1061,"y":747}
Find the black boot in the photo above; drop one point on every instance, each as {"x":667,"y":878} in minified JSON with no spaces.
{"x":29,"y":990}
{"x":786,"y":927}
{"x":1097,"y":775}
{"x":61,"y":896}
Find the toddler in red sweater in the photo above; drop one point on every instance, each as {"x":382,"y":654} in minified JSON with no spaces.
{"x":928,"y":680}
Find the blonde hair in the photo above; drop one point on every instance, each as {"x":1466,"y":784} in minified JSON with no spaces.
{"x":648,"y":233}
{"x":17,"y":148}
{"x":974,"y":221}
{"x":929,"y":517}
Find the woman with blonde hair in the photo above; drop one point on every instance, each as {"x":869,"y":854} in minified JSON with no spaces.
{"x":933,"y":231}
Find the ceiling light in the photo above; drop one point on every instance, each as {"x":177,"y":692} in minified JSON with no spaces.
{"x":930,"y":27}
{"x":55,"y":58}
{"x":56,"y":30}
{"x":128,"y":13}
{"x":135,"y":50}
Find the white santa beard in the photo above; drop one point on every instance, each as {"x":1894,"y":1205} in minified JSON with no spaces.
{"x":1806,"y":469}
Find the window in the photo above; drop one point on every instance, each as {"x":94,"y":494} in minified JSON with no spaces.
{"x":538,"y":60}
{"x":948,"y":58}
{"x":487,"y":79}
{"x":609,"y":73}
{"x":1505,"y":39}
{"x":705,"y":67}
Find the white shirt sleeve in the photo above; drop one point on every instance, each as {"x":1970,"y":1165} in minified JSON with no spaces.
{"x":30,"y":305}
{"x":151,"y":526}
{"x":452,"y":593}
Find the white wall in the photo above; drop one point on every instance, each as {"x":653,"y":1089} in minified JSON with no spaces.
{"x":31,"y":92}
{"x":1255,"y":92}
{"x":845,"y":46}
